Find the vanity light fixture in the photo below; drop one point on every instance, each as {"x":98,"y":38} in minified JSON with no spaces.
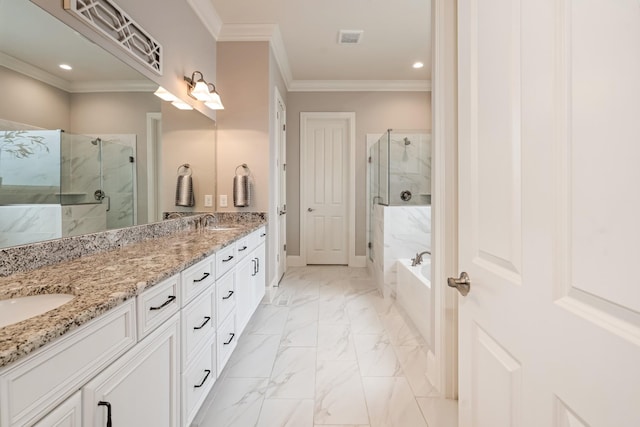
{"x":199,"y":89}
{"x":181,"y":105}
{"x":164,"y":94}
{"x":215,"y":103}
{"x":66,"y":67}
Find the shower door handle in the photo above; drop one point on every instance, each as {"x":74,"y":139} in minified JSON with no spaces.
{"x":462,"y":284}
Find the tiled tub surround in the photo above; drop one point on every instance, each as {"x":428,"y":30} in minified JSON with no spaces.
{"x":111,"y":269}
{"x":399,"y":232}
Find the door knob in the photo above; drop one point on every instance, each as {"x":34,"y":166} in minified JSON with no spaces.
{"x":462,"y":284}
{"x":310,"y":210}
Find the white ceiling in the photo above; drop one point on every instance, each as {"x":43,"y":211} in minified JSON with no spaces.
{"x":396,"y":34}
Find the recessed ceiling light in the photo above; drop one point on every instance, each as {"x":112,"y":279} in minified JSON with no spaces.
{"x":65,"y":67}
{"x":418,"y":65}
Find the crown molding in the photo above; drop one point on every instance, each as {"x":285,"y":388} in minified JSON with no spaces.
{"x":208,"y":15}
{"x":360,"y":86}
{"x":78,"y":87}
{"x":34,"y":72}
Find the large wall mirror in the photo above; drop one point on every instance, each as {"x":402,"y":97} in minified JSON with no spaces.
{"x":80,"y":148}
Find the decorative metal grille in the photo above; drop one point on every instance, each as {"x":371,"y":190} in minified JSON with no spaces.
{"x":109,"y":19}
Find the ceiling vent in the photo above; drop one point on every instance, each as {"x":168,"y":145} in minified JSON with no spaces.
{"x":349,"y":36}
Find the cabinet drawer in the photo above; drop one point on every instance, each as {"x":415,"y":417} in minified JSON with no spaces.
{"x":44,"y":379}
{"x":225,"y":297}
{"x":197,"y":381}
{"x":157,"y":304}
{"x":244,"y":246}
{"x":227,"y":339}
{"x":198,"y":324}
{"x":197,"y":278}
{"x":259,"y":236}
{"x":225,"y":259}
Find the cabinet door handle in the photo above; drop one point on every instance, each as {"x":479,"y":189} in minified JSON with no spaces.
{"x":258,"y":267}
{"x":204,"y":380}
{"x":228,"y":295}
{"x":230,"y":339}
{"x":108,"y":405}
{"x":244,"y":248}
{"x":206,"y":320}
{"x":255,"y":267}
{"x":228,"y":259}
{"x":204,"y":276}
{"x":169,"y":300}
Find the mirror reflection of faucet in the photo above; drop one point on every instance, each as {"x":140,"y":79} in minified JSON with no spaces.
{"x":418,"y":259}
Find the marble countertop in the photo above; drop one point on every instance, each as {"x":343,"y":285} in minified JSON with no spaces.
{"x":102,"y":281}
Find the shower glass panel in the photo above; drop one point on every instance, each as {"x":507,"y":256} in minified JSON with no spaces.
{"x":80,"y":173}
{"x":29,"y":167}
{"x":400,"y":170}
{"x":118,"y":182}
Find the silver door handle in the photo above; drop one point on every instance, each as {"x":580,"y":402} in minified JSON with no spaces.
{"x":462,"y":284}
{"x":310,"y":210}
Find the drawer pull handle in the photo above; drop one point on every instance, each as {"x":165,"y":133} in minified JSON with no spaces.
{"x":164,"y":304}
{"x":263,"y":234}
{"x":244,"y":248}
{"x":206,"y":320}
{"x":230,"y":339}
{"x":228,"y":295}
{"x":228,"y":259}
{"x":204,"y":380}
{"x":108,"y":405}
{"x":204,"y":276}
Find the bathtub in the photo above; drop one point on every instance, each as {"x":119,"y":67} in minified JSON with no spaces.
{"x":415,"y":295}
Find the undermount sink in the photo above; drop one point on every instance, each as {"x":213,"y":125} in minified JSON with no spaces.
{"x":18,"y":309}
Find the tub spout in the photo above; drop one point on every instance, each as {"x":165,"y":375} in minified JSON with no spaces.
{"x":418,"y":259}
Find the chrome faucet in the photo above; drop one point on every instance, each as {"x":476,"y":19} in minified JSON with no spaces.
{"x":418,"y":259}
{"x":204,"y":220}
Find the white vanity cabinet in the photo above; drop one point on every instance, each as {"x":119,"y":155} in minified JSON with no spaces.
{"x":67,"y":414}
{"x":31,"y":388}
{"x":250,"y":278}
{"x":198,"y":335}
{"x":141,"y":388}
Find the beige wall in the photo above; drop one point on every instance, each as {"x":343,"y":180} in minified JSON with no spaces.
{"x":243,"y":126}
{"x":375,"y":113}
{"x":19,"y":94}
{"x":120,"y":113}
{"x":187,"y":137}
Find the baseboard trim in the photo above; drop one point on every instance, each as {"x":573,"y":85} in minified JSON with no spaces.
{"x":358,"y":261}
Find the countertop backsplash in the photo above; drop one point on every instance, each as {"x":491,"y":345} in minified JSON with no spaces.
{"x":30,"y":257}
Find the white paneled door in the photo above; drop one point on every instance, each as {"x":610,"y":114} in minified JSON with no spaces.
{"x":281,"y":165}
{"x":549,"y":208}
{"x":326,"y":187}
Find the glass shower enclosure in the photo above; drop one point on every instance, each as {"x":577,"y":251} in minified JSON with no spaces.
{"x":399,"y":172}
{"x":56,"y":184}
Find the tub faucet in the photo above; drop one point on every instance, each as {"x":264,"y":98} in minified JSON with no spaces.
{"x":418,"y":259}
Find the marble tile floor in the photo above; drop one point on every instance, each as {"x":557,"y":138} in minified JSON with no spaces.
{"x":328,"y":351}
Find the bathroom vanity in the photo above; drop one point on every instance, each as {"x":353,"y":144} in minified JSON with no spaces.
{"x":149,"y":329}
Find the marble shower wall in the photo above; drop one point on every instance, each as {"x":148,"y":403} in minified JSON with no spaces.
{"x":410,"y":168}
{"x":22,"y":224}
{"x":399,"y":232}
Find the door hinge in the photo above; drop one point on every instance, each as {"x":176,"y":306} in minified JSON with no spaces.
{"x":131,"y":159}
{"x":284,"y":127}
{"x":284,"y":167}
{"x":369,"y":245}
{"x":369,"y":159}
{"x":285,"y":247}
